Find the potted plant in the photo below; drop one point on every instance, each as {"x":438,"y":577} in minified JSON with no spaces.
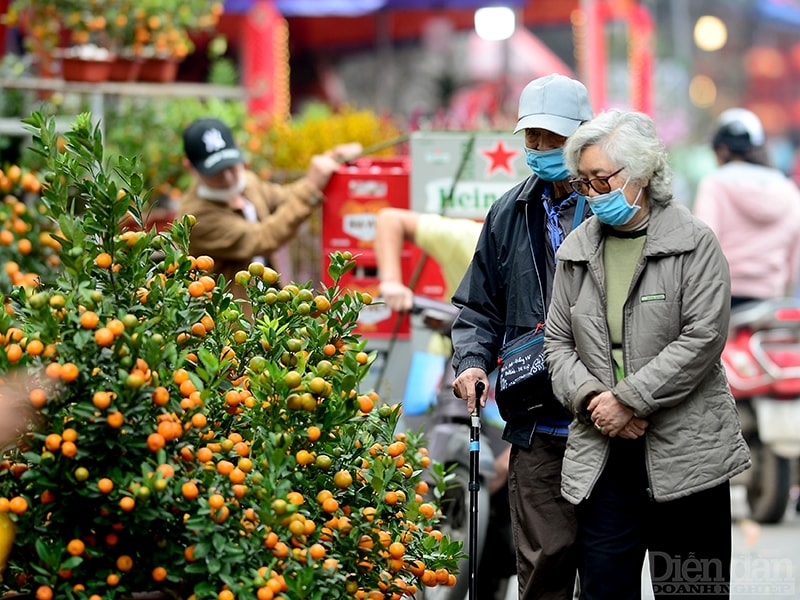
{"x":65,"y":33}
{"x":99,"y":31}
{"x":157,"y":34}
{"x":183,"y":450}
{"x":40,"y":23}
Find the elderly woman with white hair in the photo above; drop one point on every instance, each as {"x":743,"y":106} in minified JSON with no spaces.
{"x":638,"y":320}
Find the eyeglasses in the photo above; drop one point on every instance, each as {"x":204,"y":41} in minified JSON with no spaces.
{"x":598,"y":184}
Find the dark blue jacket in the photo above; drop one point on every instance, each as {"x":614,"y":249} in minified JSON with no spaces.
{"x":504,"y":291}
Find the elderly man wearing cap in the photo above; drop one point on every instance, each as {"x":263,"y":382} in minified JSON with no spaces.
{"x":505,"y":294}
{"x":240,"y":218}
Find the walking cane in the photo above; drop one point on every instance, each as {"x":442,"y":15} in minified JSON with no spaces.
{"x":474,"y":489}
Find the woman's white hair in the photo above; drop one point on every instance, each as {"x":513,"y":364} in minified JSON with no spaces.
{"x":630,"y":141}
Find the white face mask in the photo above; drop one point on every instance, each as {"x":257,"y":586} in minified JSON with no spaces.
{"x":222,"y":194}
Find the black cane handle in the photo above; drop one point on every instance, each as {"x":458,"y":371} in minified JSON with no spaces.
{"x":480,"y":387}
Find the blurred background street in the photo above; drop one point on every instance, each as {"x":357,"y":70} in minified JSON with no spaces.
{"x":423,"y":65}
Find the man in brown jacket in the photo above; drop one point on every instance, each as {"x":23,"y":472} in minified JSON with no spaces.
{"x":240,"y":218}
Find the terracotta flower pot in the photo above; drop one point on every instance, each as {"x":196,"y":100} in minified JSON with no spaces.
{"x":81,"y":69}
{"x":158,"y":69}
{"x":125,"y":69}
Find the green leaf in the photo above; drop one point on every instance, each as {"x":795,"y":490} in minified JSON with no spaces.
{"x":213,"y":564}
{"x":46,"y":553}
{"x":72,"y":562}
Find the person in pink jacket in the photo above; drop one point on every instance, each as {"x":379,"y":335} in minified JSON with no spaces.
{"x":754,"y":210}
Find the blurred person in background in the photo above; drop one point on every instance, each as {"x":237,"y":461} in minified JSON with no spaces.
{"x":753,"y":208}
{"x":16,"y":389}
{"x":449,"y":241}
{"x":240,"y":218}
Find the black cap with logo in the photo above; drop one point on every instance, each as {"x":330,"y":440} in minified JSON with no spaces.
{"x":209,"y":146}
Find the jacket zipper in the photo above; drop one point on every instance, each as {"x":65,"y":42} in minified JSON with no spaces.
{"x":527,"y":344}
{"x":607,"y":449}
{"x":539,"y":281}
{"x":637,"y":273}
{"x":533,"y":258}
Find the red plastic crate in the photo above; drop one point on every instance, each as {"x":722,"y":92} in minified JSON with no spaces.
{"x":355,"y":194}
{"x":431,"y":281}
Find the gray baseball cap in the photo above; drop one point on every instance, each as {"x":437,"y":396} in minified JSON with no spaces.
{"x":555,"y":103}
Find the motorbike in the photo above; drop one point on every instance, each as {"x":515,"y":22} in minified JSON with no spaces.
{"x":762,"y":362}
{"x":446,"y":426}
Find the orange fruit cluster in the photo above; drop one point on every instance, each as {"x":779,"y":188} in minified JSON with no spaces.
{"x":169,"y":424}
{"x":28,"y":247}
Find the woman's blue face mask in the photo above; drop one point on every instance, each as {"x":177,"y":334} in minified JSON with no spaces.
{"x":547,"y":164}
{"x":613,"y":208}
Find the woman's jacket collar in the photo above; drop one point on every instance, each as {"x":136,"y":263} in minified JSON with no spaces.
{"x":672,"y":230}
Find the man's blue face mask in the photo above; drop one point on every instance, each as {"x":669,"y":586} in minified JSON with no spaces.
{"x":547,"y":164}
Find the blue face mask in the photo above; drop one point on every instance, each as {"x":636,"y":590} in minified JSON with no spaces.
{"x":612,"y":208}
{"x":547,"y":164}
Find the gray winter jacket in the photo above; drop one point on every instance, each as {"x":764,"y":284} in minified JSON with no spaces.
{"x":675,"y":324}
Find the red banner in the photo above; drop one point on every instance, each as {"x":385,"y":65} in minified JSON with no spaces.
{"x":265,"y":59}
{"x":590,"y":44}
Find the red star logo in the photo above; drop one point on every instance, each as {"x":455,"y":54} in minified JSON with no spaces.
{"x":500,"y":158}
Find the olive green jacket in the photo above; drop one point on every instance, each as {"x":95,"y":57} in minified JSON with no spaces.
{"x":675,"y":325}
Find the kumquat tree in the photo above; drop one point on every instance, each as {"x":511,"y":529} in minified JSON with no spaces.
{"x":179,"y":449}
{"x":27,"y":248}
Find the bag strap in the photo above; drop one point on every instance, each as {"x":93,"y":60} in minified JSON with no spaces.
{"x":528,"y":208}
{"x":577,"y":219}
{"x":580,"y":206}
